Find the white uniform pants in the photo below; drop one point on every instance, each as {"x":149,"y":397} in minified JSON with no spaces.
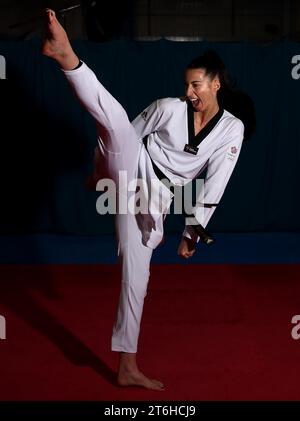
{"x":119,"y":150}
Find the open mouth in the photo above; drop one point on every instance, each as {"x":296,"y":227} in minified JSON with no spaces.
{"x":195,"y":102}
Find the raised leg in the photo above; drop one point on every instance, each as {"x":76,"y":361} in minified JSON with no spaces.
{"x":118,"y":151}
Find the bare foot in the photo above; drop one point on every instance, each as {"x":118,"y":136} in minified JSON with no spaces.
{"x":126,"y":378}
{"x":56,"y":44}
{"x":130,"y":375}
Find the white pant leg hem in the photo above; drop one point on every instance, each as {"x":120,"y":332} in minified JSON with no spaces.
{"x":116,"y":348}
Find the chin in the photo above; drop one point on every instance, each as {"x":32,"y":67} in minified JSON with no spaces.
{"x":199,"y":108}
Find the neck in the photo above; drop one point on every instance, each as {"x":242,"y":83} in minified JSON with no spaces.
{"x":206,"y":115}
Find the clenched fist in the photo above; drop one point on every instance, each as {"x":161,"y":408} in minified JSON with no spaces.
{"x":186,"y":248}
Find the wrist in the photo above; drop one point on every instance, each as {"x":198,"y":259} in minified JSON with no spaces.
{"x":188,"y":240}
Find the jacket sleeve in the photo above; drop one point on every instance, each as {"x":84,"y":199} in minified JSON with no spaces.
{"x":148,"y":121}
{"x":220,"y":167}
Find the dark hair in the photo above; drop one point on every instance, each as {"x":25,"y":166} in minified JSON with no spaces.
{"x":214,"y":66}
{"x":235,"y":101}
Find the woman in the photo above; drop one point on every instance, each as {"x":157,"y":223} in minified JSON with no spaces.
{"x":175,"y":138}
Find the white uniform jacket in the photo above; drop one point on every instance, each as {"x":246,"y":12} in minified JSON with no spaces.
{"x":168,"y":125}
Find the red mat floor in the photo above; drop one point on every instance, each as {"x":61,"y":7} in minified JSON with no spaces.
{"x":209,"y":332}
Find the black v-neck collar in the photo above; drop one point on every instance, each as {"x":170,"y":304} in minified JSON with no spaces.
{"x":196,"y":140}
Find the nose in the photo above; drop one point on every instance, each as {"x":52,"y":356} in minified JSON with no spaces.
{"x":189,"y":90}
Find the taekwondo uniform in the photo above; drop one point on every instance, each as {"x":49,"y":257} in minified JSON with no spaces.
{"x":160,"y":140}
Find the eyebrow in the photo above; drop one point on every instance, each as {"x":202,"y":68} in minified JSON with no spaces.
{"x":194,"y":81}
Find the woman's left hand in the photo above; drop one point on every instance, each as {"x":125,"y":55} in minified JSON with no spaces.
{"x":186,"y":248}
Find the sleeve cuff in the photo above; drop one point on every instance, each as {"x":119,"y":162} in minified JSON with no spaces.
{"x":78,"y":65}
{"x":190,"y":233}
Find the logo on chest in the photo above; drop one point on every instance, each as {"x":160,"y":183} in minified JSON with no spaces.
{"x":191,"y":149}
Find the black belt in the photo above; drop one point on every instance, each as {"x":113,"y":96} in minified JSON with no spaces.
{"x":199,"y":229}
{"x":159,"y":174}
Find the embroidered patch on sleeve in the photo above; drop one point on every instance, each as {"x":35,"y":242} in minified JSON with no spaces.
{"x":232,"y":153}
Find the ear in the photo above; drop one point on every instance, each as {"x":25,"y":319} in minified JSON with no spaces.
{"x":216,"y":83}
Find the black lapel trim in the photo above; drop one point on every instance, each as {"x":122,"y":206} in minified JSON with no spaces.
{"x":196,"y":140}
{"x":191,"y":128}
